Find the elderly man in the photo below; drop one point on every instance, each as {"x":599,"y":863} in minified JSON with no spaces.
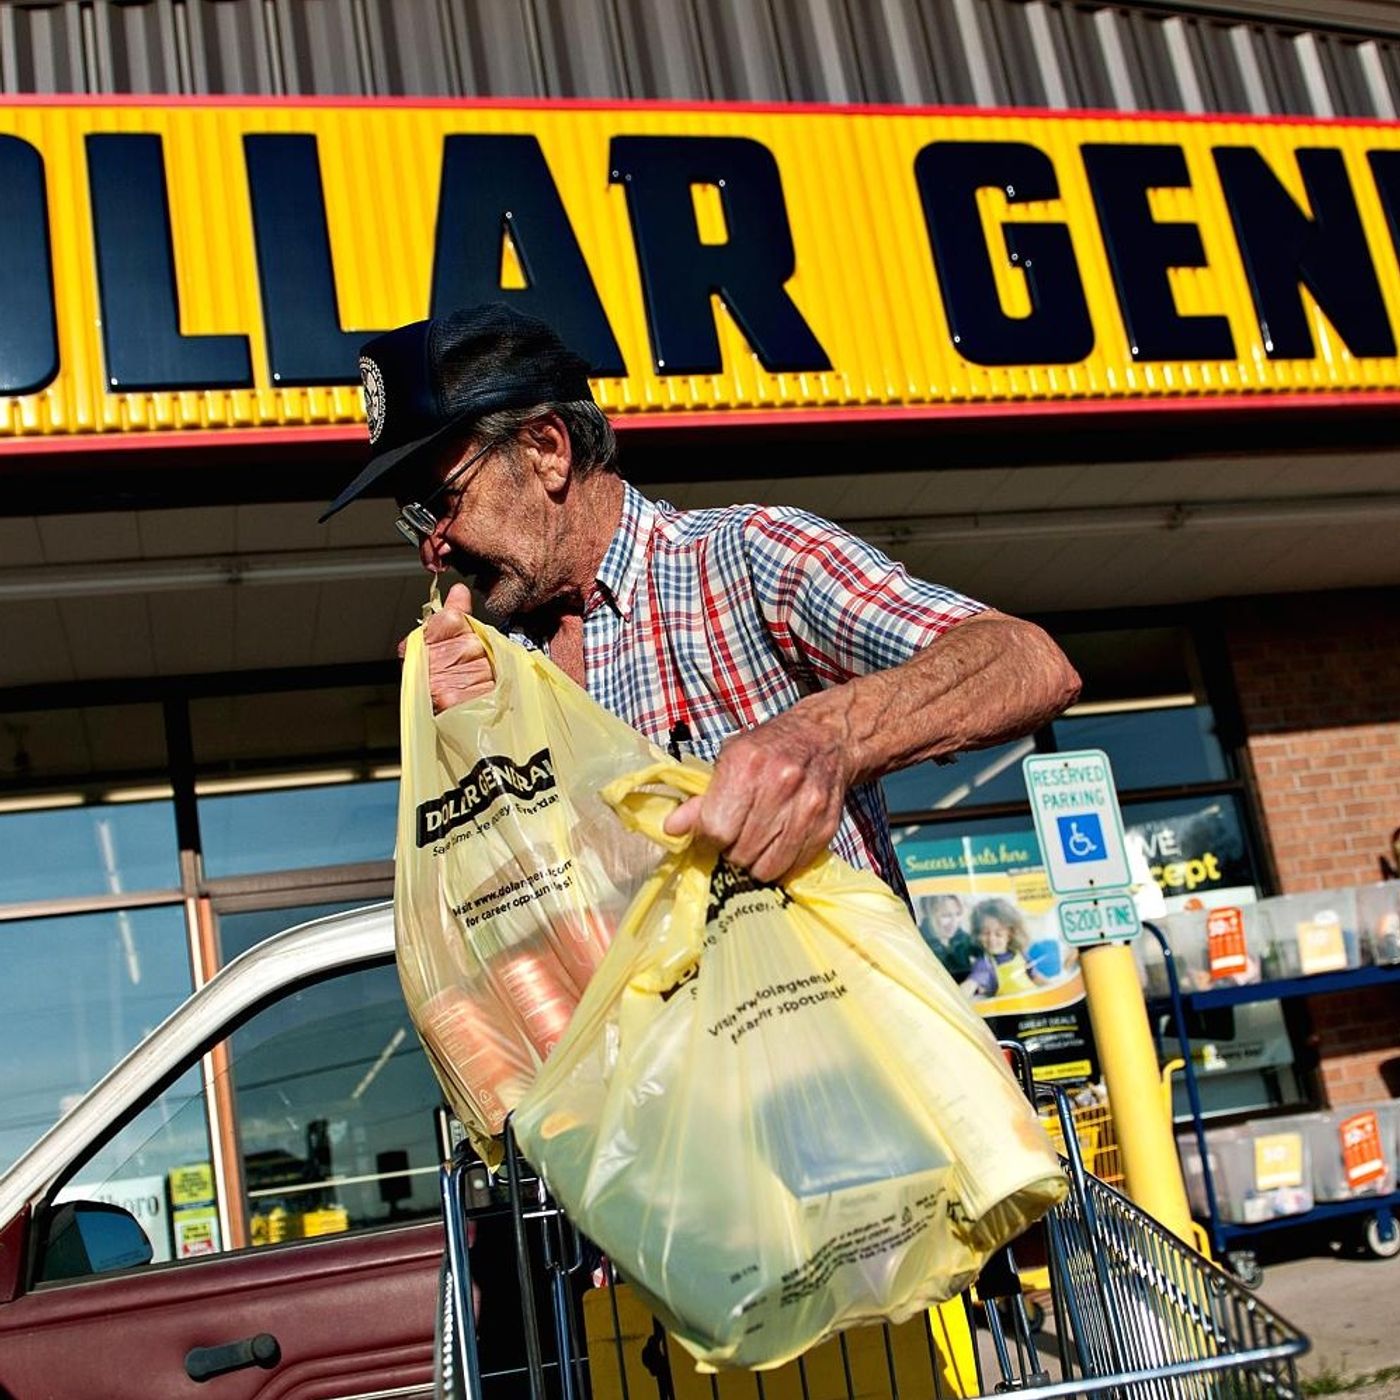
{"x":799,"y":658}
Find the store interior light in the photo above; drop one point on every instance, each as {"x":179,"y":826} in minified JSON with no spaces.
{"x":324,"y":777}
{"x":204,"y":787}
{"x":41,"y":801}
{"x":1142,"y":702}
{"x":151,"y":792}
{"x":128,"y":576}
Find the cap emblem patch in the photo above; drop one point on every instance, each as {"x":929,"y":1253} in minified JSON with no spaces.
{"x":373,"y":382}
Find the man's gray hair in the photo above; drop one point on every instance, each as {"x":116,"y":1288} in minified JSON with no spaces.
{"x":591,"y":436}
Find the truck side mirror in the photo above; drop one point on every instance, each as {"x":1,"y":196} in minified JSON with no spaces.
{"x":91,"y":1237}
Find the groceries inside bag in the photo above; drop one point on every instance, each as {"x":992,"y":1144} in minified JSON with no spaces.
{"x":510,"y":871}
{"x":773,"y":1110}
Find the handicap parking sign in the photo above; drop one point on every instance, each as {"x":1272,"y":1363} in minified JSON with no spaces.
{"x":1081,"y":837}
{"x":1077,"y":822}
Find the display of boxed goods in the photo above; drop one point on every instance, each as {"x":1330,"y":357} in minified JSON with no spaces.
{"x":1353,"y":1149}
{"x":1260,"y":1172}
{"x":1215,"y":947}
{"x":1212,"y":948}
{"x":1378,"y":916}
{"x":1310,"y":933}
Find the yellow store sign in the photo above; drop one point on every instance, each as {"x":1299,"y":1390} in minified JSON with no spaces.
{"x":173,"y":266}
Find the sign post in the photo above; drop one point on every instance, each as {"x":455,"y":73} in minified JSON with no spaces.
{"x":1080,"y":829}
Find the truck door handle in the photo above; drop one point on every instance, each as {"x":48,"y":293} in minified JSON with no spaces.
{"x":204,"y":1363}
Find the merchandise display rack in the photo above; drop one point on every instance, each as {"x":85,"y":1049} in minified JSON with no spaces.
{"x":1377,"y":1215}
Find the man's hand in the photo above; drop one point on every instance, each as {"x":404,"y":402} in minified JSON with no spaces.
{"x":775,"y":800}
{"x":458,"y":668}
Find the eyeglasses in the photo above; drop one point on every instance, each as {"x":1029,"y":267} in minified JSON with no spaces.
{"x":415,"y":522}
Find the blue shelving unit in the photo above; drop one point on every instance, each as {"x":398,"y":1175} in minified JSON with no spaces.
{"x":1230,"y":1241}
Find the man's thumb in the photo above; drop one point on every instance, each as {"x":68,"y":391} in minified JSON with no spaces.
{"x":682,"y":821}
{"x":459,"y":596}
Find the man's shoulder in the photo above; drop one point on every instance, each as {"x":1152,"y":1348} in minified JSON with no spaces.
{"x":739,"y":523}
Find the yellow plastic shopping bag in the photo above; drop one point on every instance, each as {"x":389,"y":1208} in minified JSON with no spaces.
{"x":773,"y":1109}
{"x":510,"y":871}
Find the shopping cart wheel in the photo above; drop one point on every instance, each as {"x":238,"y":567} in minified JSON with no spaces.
{"x":1244,"y":1264}
{"x":1380,"y":1236}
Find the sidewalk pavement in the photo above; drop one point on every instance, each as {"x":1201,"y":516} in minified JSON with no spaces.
{"x":1349,"y":1307}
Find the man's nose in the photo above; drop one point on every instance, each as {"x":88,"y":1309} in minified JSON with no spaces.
{"x":433,"y":552}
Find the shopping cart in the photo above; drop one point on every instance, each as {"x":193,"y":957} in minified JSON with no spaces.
{"x":1133,"y":1313}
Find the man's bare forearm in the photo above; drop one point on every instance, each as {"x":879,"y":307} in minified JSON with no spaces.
{"x":988,"y":680}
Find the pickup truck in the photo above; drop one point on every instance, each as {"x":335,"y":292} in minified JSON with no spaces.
{"x":202,"y":1298}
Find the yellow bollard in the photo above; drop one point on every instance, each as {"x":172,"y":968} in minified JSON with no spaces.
{"x":1129,"y":1061}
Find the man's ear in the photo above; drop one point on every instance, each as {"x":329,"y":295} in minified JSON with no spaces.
{"x":549,"y":450}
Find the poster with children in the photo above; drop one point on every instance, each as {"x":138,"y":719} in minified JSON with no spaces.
{"x":986,"y":912}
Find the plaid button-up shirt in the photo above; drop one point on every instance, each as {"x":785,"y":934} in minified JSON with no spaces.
{"x":706,"y":622}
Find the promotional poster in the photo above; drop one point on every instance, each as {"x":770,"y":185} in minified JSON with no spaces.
{"x":984,"y":907}
{"x":985,"y":910}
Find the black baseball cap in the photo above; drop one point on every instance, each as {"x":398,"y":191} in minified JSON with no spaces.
{"x":427,"y":382}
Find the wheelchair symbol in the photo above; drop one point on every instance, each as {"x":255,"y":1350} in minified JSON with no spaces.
{"x":1081,"y":838}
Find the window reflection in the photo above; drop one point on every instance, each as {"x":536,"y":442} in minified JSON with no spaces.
{"x":988,"y":775}
{"x":239,"y":932}
{"x":335,"y":1107}
{"x":166,"y":1145}
{"x":1150,"y":747}
{"x":104,"y":849}
{"x":285,"y":829}
{"x":77,"y":994}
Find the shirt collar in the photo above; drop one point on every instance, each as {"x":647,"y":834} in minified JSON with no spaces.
{"x":626,"y":556}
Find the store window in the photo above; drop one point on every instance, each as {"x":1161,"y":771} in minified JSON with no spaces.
{"x":1153,"y":745}
{"x":298,"y":827}
{"x":76,"y":995}
{"x":64,"y":852}
{"x":282,"y":781}
{"x":971,"y":780}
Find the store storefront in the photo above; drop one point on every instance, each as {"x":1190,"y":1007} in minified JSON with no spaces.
{"x":1131,"y":376}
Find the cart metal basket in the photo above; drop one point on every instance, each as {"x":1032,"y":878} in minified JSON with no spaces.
{"x":1131,"y":1312}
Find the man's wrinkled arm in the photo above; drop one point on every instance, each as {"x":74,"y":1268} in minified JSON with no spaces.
{"x":990,"y":679}
{"x":778,"y":790}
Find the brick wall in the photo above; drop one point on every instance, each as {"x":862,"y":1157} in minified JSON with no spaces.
{"x":1318,"y":678}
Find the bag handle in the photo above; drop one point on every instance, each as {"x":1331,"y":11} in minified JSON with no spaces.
{"x":416,"y":694}
{"x":415,"y":700}
{"x":640,"y":807}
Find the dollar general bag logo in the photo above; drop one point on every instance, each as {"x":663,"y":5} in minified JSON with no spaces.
{"x":493,"y":777}
{"x":728,"y":883}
